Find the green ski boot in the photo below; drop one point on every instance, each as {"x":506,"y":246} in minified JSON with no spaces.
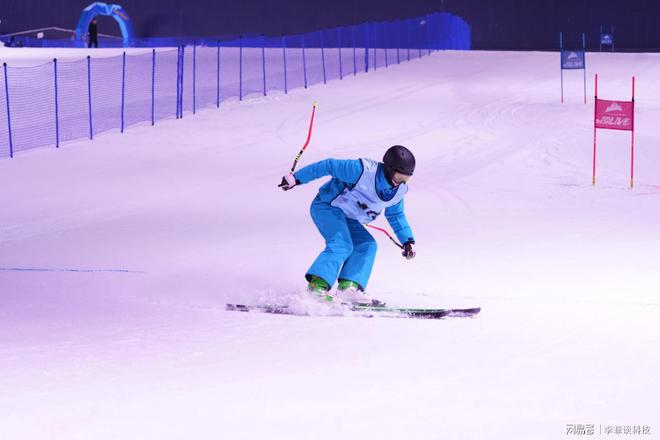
{"x":320,"y":289}
{"x":350,"y":292}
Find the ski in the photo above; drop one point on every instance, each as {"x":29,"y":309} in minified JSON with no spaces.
{"x":365,"y":311}
{"x":417,"y":312}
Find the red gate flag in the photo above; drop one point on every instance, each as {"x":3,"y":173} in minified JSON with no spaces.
{"x":615,"y":115}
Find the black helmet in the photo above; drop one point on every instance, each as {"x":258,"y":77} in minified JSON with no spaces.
{"x":399,"y":159}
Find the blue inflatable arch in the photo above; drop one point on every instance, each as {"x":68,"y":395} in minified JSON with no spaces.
{"x":114,"y":11}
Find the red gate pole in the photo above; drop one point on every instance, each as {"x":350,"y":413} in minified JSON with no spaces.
{"x":593,"y":176}
{"x":632,"y":141}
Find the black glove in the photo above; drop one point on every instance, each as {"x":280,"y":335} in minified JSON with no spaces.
{"x":288,"y":182}
{"x":408,"y":250}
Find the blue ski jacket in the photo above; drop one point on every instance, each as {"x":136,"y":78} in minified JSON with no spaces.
{"x":346,"y":173}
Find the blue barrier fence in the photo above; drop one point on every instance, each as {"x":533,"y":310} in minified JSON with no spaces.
{"x":64,"y":100}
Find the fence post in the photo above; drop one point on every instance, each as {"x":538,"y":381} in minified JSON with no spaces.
{"x":375,"y":28}
{"x":11,"y":141}
{"x":240,"y":68}
{"x":561,"y":65}
{"x":341,"y":69}
{"x":194,"y":78}
{"x":408,"y":42}
{"x":366,"y":46}
{"x":438,"y":38}
{"x":386,"y":44}
{"x":217,"y":78}
{"x":183,"y":64}
{"x":89,"y":95}
{"x":420,"y":44}
{"x":178,"y":83}
{"x":263,"y":59}
{"x":179,"y":98}
{"x":304,"y":61}
{"x":57,"y":110}
{"x":353,"y":42}
{"x":153,"y":86}
{"x":322,"y":56}
{"x":398,"y":41}
{"x":584,"y":71}
{"x":428,"y":34}
{"x":123,"y":88}
{"x":286,"y":90}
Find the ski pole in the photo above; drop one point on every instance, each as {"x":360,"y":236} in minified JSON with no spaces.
{"x":309,"y":136}
{"x":386,"y":233}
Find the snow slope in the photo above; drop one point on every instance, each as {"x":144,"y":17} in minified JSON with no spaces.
{"x":118,"y":255}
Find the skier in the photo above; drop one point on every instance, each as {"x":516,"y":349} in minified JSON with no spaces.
{"x":93,"y":34}
{"x":358,"y":192}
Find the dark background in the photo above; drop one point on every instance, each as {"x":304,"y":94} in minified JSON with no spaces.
{"x":496,"y":24}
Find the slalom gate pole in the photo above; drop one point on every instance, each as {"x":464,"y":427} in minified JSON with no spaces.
{"x":386,"y":233}
{"x":309,"y":136}
{"x":593,"y":175}
{"x":632,"y":140}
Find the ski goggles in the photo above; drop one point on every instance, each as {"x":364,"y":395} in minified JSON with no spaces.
{"x":399,"y":178}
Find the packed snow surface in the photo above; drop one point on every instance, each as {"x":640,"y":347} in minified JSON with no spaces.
{"x":118,"y":255}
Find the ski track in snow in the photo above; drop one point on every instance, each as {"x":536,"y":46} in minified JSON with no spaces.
{"x":117,"y":258}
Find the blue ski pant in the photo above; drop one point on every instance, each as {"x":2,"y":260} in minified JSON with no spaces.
{"x":350,"y":250}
